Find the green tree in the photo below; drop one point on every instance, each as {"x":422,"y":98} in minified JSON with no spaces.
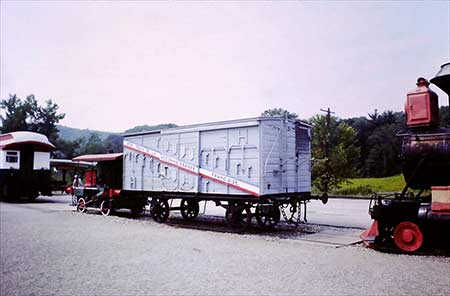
{"x":343,"y":152}
{"x":27,"y":115}
{"x":380,"y":147}
{"x":383,"y":153}
{"x":14,"y":114}
{"x":45,"y":120}
{"x":114,"y":143}
{"x":279,"y":112}
{"x":67,"y":149}
{"x":93,"y":145}
{"x":363,"y":131}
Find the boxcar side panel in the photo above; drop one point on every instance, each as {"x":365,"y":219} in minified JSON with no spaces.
{"x":268,"y":156}
{"x":131,"y":170}
{"x":271,"y":161}
{"x":188,"y":153}
{"x":243,"y":153}
{"x":212,"y":157}
{"x":233,"y":152}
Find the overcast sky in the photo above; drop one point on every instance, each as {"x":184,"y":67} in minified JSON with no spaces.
{"x":113,"y":65}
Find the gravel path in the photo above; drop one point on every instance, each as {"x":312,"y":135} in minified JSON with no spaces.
{"x":48,"y":249}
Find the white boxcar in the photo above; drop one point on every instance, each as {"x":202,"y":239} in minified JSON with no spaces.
{"x":254,"y":157}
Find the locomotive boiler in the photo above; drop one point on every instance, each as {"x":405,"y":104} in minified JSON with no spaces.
{"x":419,"y":216}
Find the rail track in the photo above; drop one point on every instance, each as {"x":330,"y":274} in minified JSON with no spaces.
{"x":333,"y":236}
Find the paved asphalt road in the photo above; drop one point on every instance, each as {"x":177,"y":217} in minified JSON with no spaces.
{"x":337,"y":212}
{"x":49,"y":249}
{"x":340,"y":212}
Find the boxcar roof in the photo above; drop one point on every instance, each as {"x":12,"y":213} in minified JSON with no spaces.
{"x":98,"y":157}
{"x":14,"y":140}
{"x":70,"y":164}
{"x":215,"y":126}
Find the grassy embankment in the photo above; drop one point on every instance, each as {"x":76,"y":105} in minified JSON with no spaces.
{"x":367,"y":186}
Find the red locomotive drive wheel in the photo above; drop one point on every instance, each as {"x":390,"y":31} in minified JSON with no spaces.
{"x":407,"y":236}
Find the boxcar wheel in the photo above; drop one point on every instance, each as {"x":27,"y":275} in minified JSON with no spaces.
{"x":189,"y":209}
{"x":160,"y":211}
{"x":238,"y":217}
{"x":106,"y":207}
{"x":267,"y":216}
{"x":81,"y":205}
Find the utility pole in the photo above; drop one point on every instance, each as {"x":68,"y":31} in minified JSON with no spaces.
{"x":327,"y":147}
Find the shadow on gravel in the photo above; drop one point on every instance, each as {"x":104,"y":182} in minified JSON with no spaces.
{"x":437,"y":250}
{"x":218,"y":224}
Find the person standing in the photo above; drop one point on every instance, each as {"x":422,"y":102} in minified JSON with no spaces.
{"x":76,"y":183}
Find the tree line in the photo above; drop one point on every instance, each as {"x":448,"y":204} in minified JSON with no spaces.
{"x":376,"y":137}
{"x":27,"y":115}
{"x":366,"y":146}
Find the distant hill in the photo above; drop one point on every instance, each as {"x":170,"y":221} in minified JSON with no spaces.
{"x":143,"y":128}
{"x":70,"y":133}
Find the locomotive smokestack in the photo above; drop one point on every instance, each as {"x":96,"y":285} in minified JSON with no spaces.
{"x":442,"y":80}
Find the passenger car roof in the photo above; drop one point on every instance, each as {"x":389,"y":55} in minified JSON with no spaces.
{"x":16,"y":140}
{"x":98,"y":157}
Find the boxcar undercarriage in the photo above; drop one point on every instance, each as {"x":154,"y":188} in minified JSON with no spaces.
{"x":240,"y":209}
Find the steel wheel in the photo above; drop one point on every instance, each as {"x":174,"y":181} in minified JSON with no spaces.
{"x":105,"y":207}
{"x":267,"y":215}
{"x":189,"y":209}
{"x":81,"y":205}
{"x":160,"y":211}
{"x":238,"y":217}
{"x":407,"y":236}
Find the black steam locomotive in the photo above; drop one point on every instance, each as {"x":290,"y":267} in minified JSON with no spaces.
{"x":420,"y":214}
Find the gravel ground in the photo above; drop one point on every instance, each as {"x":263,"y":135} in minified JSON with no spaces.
{"x":47,"y":248}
